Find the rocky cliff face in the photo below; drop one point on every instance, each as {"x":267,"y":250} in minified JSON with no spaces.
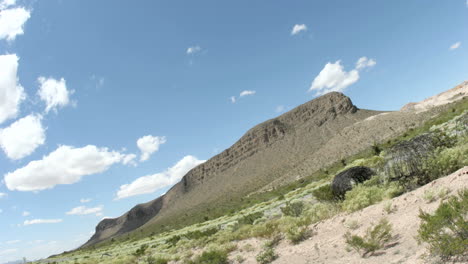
{"x":272,"y":153}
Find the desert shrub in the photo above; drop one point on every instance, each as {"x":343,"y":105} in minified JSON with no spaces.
{"x":321,"y":211}
{"x":446,"y":161}
{"x":250,"y":218}
{"x":429,"y":196}
{"x":361,"y":197}
{"x":298,"y":234}
{"x":197,"y":234}
{"x":352,"y":224}
{"x":375,"y":238}
{"x":172,"y":241}
{"x":446,"y":231}
{"x":153,"y":260}
{"x":141,"y":250}
{"x":267,"y":255}
{"x":211,"y":257}
{"x":324,"y":193}
{"x":293,"y":209}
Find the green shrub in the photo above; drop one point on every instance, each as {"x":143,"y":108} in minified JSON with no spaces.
{"x":197,"y":234}
{"x":446,"y":231}
{"x":362,"y":196}
{"x":211,"y":257}
{"x":140,"y":251}
{"x":266,"y":256}
{"x":293,"y":209}
{"x":153,"y":260}
{"x":324,"y":193}
{"x":298,"y":234}
{"x":375,"y":238}
{"x":250,"y":218}
{"x":172,"y":241}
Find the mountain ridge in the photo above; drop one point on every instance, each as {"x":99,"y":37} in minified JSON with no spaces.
{"x":273,"y":153}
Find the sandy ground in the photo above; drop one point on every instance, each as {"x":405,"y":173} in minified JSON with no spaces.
{"x":327,"y":245}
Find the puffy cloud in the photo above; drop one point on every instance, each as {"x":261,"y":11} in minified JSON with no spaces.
{"x":129,"y":159}
{"x":41,"y":221}
{"x":22,"y":137}
{"x":85,"y":200}
{"x":12,"y":20}
{"x":193,"y":49}
{"x":83,"y":210}
{"x":11,"y":92}
{"x":364,"y":62}
{"x":246,"y":92}
{"x":298,"y":28}
{"x":7,"y":3}
{"x":54,"y":93}
{"x":233,"y":99}
{"x":155,"y":182}
{"x":455,"y":45}
{"x":26,"y":213}
{"x":148,"y":145}
{"x":65,"y":165}
{"x":333,"y":77}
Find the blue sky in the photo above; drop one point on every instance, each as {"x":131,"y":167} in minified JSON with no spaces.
{"x":106,"y":104}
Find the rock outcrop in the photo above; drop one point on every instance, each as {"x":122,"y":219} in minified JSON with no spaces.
{"x":276,"y":152}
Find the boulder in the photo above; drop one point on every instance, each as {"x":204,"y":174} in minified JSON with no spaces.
{"x":346,"y":179}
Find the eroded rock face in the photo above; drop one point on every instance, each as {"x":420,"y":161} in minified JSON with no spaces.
{"x":265,"y":153}
{"x":347,"y":179}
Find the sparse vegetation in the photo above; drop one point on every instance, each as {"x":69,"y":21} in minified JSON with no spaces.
{"x":298,"y":234}
{"x":288,"y":211}
{"x":375,"y":238}
{"x":446,"y":231}
{"x":211,"y":257}
{"x":293,"y":209}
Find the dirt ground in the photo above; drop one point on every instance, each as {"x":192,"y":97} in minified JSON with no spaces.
{"x":327,"y":245}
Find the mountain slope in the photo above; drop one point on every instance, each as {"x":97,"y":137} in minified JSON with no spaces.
{"x":276,"y":152}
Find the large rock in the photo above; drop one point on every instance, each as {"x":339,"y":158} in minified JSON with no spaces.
{"x":346,"y":179}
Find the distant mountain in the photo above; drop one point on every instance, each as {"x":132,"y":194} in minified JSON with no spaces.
{"x":274,"y":153}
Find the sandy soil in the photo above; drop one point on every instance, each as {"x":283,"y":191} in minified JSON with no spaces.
{"x":328,"y":245}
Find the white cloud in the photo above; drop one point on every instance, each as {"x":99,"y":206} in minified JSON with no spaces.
{"x":246,"y":92}
{"x":333,"y":77}
{"x":65,"y":165}
{"x":83,"y":210}
{"x":54,"y":93}
{"x":193,"y":49}
{"x":26,"y":213}
{"x":42,"y":221}
{"x":129,"y":159}
{"x":233,"y":99}
{"x":12,"y":20}
{"x":85,"y":200}
{"x":364,"y":62}
{"x":11,"y":92}
{"x":7,"y":3}
{"x":455,"y":45}
{"x":11,"y":242}
{"x":148,"y":145}
{"x":3,"y":195}
{"x":22,"y":137}
{"x":155,"y":182}
{"x":298,"y":28}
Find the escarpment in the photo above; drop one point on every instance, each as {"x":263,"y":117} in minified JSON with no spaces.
{"x":273,"y":153}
